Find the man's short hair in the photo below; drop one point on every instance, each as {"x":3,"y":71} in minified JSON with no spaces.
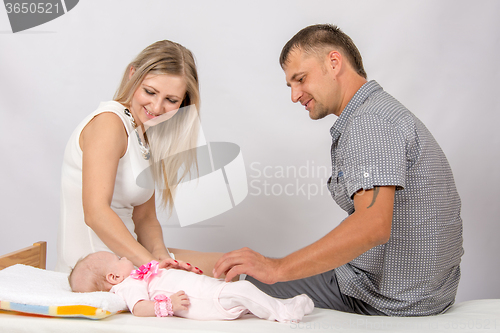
{"x":323,"y":38}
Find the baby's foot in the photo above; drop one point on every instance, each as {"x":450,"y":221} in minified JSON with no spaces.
{"x":299,"y":306}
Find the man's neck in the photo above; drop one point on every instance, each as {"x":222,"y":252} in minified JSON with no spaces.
{"x":351,"y":83}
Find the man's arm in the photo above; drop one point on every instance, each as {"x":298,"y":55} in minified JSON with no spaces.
{"x":369,"y":226}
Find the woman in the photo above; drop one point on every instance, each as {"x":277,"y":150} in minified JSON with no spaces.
{"x":102,"y":206}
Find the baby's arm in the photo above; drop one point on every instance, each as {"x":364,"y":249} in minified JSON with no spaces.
{"x":144,"y":308}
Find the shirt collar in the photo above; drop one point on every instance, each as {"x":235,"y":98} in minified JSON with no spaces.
{"x":356,"y":101}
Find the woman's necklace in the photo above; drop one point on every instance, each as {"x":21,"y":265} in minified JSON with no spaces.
{"x":143,"y":145}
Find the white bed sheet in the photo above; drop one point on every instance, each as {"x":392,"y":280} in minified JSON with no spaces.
{"x":471,"y":316}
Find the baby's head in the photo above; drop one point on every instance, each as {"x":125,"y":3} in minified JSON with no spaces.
{"x":99,"y":272}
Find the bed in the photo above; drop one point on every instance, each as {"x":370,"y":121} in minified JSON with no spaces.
{"x":35,"y":255}
{"x":470,"y":316}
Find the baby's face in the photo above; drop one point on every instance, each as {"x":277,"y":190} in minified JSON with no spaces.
{"x":120,"y":266}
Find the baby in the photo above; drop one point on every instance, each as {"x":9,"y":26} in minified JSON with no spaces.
{"x":149,"y":291}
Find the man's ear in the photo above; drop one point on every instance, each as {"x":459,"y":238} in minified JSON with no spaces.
{"x":131,"y":72}
{"x":113,"y":278}
{"x":335,"y":60}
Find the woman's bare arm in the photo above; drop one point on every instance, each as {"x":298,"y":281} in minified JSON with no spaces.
{"x":104,"y":142}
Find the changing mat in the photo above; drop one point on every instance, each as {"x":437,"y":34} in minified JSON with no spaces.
{"x":36,"y":291}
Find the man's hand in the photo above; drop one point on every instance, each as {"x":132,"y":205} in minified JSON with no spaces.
{"x":369,"y":226}
{"x":247,"y":261}
{"x":169,"y":263}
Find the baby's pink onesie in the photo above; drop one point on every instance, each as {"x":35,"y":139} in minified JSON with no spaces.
{"x":213,"y":299}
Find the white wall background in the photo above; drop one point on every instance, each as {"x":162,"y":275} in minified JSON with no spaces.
{"x":439,"y":58}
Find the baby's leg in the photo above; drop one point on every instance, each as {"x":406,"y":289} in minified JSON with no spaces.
{"x":243,"y":294}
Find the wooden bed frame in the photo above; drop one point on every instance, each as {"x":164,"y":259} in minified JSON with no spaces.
{"x":35,"y":255}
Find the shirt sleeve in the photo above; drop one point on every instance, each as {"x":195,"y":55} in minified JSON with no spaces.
{"x":374,"y":155}
{"x":132,"y":291}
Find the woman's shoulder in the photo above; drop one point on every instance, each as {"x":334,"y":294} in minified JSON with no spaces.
{"x":112,"y":108}
{"x":108,"y":121}
{"x":110,"y":115}
{"x":106,"y":126}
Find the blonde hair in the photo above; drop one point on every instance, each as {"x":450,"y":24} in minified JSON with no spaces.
{"x":171,"y":142}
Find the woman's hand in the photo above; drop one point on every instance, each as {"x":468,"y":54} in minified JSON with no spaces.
{"x":180,"y":301}
{"x":177,"y":264}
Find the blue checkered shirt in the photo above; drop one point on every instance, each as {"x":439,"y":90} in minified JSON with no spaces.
{"x":378,"y":142}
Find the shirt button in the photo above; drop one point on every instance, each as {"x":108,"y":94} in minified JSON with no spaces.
{"x":366,"y":174}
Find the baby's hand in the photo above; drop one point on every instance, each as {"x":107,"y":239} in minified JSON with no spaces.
{"x":178,"y":264}
{"x":180,"y":301}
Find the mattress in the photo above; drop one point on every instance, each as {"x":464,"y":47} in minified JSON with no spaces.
{"x":470,"y":316}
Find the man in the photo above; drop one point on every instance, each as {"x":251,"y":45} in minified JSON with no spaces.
{"x":398,"y":252}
